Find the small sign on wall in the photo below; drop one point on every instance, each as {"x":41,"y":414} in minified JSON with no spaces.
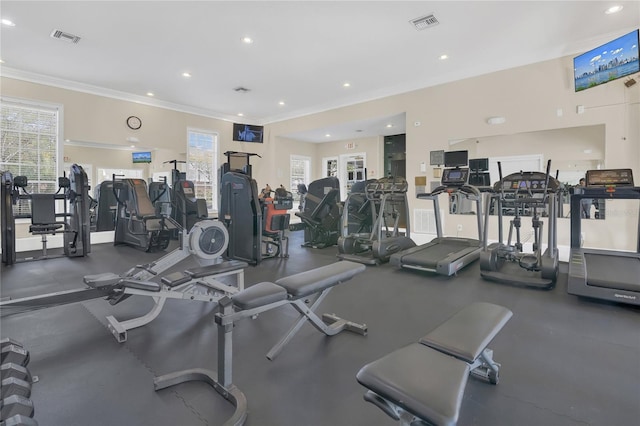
{"x":350,"y":145}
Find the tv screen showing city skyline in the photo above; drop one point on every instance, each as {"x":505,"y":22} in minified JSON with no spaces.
{"x":611,"y":61}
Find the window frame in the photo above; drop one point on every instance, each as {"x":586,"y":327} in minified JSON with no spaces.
{"x":43,"y":105}
{"x":307,"y":177}
{"x":214,"y":164}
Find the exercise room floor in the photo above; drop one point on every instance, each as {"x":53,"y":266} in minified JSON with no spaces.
{"x":565,"y":360}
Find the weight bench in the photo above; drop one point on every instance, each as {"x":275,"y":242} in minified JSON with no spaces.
{"x":423,"y":383}
{"x":261,"y":297}
{"x":199,"y":283}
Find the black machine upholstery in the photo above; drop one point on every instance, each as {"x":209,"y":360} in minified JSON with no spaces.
{"x":43,"y":214}
{"x":136,"y":221}
{"x":188,"y":209}
{"x":423,"y":383}
{"x":241,"y":213}
{"x":322,"y":212}
{"x":105,"y":211}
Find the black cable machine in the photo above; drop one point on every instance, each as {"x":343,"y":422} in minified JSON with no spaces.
{"x":507,"y":263}
{"x":321,"y":213}
{"x":106,"y":208}
{"x":604,"y":274}
{"x":446,"y":255}
{"x":138,"y":222}
{"x":73,"y":221}
{"x":240,"y":209}
{"x":387,"y":197}
{"x":186,"y":208}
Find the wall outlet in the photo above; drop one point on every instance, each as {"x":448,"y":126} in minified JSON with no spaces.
{"x":459,"y":228}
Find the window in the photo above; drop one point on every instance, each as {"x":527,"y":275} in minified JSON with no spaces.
{"x":107,"y":174}
{"x":300,"y":173}
{"x":202,"y":155}
{"x":30,"y":134}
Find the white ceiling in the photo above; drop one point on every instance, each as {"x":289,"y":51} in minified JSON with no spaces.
{"x":303,"y":51}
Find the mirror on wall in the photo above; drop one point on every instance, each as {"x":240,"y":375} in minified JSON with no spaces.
{"x":572,"y":152}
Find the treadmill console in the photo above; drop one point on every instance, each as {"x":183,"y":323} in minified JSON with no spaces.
{"x":455,"y":177}
{"x":526,"y":182}
{"x":617,"y":177}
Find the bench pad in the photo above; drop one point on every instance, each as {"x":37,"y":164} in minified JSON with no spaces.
{"x":108,"y":279}
{"x":175,"y":278}
{"x":259,"y":294}
{"x":467,"y":333}
{"x":422,"y":381}
{"x":141,"y":285}
{"x":313,"y":281}
{"x":218,"y":268}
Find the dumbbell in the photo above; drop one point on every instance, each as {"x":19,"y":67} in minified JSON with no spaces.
{"x":12,"y":386}
{"x":19,"y":420}
{"x":13,"y":352}
{"x":15,"y":370}
{"x":16,"y":405}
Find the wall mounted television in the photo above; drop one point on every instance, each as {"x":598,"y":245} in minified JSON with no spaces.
{"x":247,"y":133}
{"x":611,"y":61}
{"x":456,"y":158}
{"x":141,"y":157}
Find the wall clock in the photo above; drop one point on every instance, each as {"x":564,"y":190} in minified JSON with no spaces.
{"x":134,"y":123}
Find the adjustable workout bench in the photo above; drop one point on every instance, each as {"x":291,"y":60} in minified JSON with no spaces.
{"x":261,"y":297}
{"x":193,"y":284}
{"x":423,"y":383}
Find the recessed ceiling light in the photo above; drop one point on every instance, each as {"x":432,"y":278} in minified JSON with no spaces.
{"x":346,"y":84}
{"x":133,"y":146}
{"x":8,"y":23}
{"x":443,"y":57}
{"x":150,"y":94}
{"x":240,"y":114}
{"x":389,"y":126}
{"x":186,"y":74}
{"x":613,"y":9}
{"x":327,"y":135}
{"x":281,"y":103}
{"x":247,"y":40}
{"x":1,"y":61}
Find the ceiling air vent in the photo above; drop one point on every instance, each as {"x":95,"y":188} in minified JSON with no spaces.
{"x":425,"y":22}
{"x":61,"y":35}
{"x":241,"y":89}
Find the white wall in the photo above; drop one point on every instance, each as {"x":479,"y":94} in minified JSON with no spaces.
{"x":528,"y":97}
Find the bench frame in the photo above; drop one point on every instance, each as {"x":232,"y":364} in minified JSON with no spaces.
{"x":204,"y":289}
{"x":221,"y":380}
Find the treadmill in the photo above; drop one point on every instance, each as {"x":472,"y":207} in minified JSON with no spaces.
{"x":445,"y":255}
{"x":604,"y":274}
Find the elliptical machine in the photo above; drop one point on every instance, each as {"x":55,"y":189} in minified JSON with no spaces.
{"x":508,"y":263}
{"x":385,"y":197}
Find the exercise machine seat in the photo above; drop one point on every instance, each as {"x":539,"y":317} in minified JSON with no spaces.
{"x":43,"y":214}
{"x":309,"y":282}
{"x":424,"y":382}
{"x":467,"y":333}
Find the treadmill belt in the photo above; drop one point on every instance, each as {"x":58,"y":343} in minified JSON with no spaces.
{"x":432,"y":254}
{"x":612,"y":271}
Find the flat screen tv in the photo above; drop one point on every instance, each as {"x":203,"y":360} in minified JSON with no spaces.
{"x":456,"y":158}
{"x":479,"y":164}
{"x":141,"y":157}
{"x":247,"y":133}
{"x":611,"y":61}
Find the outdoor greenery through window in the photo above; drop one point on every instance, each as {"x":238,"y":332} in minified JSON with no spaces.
{"x":29,"y":145}
{"x":300,"y":173}
{"x":202,"y":154}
